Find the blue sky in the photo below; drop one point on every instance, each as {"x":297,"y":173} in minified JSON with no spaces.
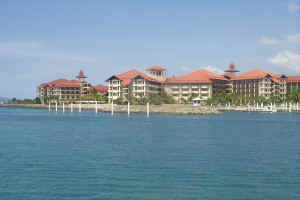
{"x":44,"y":40}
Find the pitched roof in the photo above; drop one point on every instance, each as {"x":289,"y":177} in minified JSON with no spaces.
{"x":62,"y":83}
{"x":81,"y":75}
{"x":229,"y":75}
{"x":156,"y":68}
{"x":259,"y":74}
{"x":127,"y":77}
{"x":100,"y":88}
{"x":293,"y":79}
{"x":253,"y":74}
{"x":200,"y":76}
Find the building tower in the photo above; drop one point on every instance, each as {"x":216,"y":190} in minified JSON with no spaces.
{"x":81,"y":76}
{"x":157,"y":72}
{"x":83,"y":84}
{"x":230,"y":74}
{"x":232,"y":69}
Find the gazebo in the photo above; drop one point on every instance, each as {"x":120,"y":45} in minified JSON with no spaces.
{"x":197,"y":101}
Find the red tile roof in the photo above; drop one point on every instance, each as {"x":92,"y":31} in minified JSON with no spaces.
{"x":127,"y":77}
{"x":229,"y":75}
{"x":100,"y":88}
{"x":81,"y":75}
{"x":43,"y":85}
{"x":293,"y":79}
{"x":258,"y":74}
{"x":254,"y":74}
{"x":156,"y":68}
{"x":200,"y":76}
{"x":62,"y":83}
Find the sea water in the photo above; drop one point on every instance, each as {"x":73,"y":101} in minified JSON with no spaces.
{"x":69,"y":156}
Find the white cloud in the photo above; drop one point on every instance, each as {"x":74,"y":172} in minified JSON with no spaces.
{"x":293,"y":7}
{"x":269,"y":41}
{"x":214,"y":69}
{"x":287,"y":59}
{"x":294,"y":38}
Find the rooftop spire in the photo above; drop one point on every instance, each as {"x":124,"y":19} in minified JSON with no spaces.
{"x":81,"y":75}
{"x":232,"y":69}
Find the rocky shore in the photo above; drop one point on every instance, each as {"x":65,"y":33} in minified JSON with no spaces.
{"x":159,"y":109}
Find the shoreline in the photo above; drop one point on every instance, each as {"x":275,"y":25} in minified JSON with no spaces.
{"x":154,"y":109}
{"x":179,"y":109}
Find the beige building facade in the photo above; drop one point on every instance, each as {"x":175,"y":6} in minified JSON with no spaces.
{"x":63,"y":89}
{"x":260,"y":83}
{"x":134,"y":83}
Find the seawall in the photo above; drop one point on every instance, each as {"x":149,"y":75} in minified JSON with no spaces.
{"x":160,"y":109}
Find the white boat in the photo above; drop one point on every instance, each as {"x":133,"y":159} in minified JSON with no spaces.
{"x":269,"y":109}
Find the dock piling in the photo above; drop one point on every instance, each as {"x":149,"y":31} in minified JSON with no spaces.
{"x":148,"y":109}
{"x":63,"y":106}
{"x":128,"y":108}
{"x":96,"y":107}
{"x":56,"y":106}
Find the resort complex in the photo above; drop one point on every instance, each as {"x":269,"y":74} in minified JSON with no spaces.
{"x":201,"y":84}
{"x":68,"y":90}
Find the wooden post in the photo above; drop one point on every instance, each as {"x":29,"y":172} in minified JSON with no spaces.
{"x":49,"y":106}
{"x":128,"y":108}
{"x":148,"y":109}
{"x":112,"y":107}
{"x":56,"y":106}
{"x":96,"y":107}
{"x":63,"y":106}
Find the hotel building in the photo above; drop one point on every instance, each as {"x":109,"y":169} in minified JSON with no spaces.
{"x":135,"y":83}
{"x":259,"y":83}
{"x":66,"y":90}
{"x":293,"y":82}
{"x":201,"y":83}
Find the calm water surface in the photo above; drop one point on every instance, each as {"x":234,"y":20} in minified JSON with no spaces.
{"x":87,"y":156}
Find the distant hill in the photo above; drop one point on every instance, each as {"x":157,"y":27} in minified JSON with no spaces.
{"x":4,"y":99}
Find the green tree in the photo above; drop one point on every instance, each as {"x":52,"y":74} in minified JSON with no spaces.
{"x":14,"y":100}
{"x":94,"y":92}
{"x":37,"y":100}
{"x":293,"y":96}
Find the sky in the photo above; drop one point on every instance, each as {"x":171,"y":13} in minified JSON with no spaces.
{"x":41,"y":41}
